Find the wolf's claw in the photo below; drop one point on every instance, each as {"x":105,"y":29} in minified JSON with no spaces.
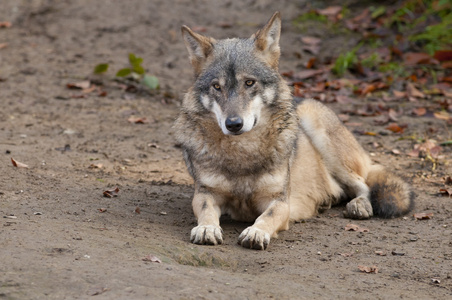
{"x":254,"y":238}
{"x":207,"y":235}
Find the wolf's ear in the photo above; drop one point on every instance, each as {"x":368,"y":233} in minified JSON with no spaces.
{"x":266,"y":40}
{"x":199,"y":47}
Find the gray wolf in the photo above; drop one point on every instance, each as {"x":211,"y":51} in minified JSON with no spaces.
{"x":260,"y":158}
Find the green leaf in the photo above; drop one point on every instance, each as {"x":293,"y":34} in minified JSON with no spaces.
{"x":100,"y":68}
{"x":135,"y":60}
{"x":124,"y":72}
{"x":446,"y":143}
{"x":378,"y":12}
{"x":138,"y":69}
{"x":151,"y":82}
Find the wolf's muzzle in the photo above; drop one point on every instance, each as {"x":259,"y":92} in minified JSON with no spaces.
{"x":234,"y":124}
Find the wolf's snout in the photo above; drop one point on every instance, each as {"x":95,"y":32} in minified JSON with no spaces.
{"x":234,"y":124}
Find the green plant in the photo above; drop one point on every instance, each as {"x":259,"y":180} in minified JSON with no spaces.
{"x":346,"y":61}
{"x":135,"y":71}
{"x":436,"y":37}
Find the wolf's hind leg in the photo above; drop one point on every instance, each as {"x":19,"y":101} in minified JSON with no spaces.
{"x":207,"y":211}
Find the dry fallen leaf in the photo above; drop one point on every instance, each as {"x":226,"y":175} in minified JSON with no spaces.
{"x":442,"y":115}
{"x":443,"y":55}
{"x":311,"y":44}
{"x":307,"y":74}
{"x":95,"y":166}
{"x":445,"y":192}
{"x":394,"y":127}
{"x":111,"y":193}
{"x":412,"y":91}
{"x":366,"y":269}
{"x":152,"y":258}
{"x":416,"y":58}
{"x":332,"y":12}
{"x":137,"y":210}
{"x":5,"y":24}
{"x":423,"y":216}
{"x":18,"y":164}
{"x":420,"y":111}
{"x":79,"y":85}
{"x":448,"y":180}
{"x":436,"y":281}
{"x":354,"y":227}
{"x":138,"y":120}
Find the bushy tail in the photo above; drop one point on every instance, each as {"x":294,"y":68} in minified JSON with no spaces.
{"x":389,"y":194}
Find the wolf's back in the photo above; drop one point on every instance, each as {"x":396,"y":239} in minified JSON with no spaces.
{"x":389,"y":194}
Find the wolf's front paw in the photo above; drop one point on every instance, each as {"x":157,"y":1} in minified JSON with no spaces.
{"x":359,"y":208}
{"x":254,"y":238}
{"x":207,"y":235}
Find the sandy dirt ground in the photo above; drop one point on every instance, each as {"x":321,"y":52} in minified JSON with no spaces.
{"x":61,"y":239}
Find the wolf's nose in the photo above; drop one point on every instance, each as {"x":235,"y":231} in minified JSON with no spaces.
{"x":234,"y":124}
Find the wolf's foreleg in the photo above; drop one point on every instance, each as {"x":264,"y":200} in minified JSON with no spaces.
{"x":275,"y":218}
{"x":208,"y":231}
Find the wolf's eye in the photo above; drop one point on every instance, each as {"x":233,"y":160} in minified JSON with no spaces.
{"x":216,"y":86}
{"x":250,"y":83}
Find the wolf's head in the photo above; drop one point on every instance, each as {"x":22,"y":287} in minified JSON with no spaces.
{"x":236,"y":78}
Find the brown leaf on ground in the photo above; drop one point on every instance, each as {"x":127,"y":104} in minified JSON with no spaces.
{"x":332,"y":12}
{"x":354,"y":227}
{"x":394,"y":127}
{"x":448,"y":180}
{"x":18,"y":164}
{"x":307,"y":74}
{"x":442,"y":115}
{"x":443,"y":55}
{"x":392,"y":114}
{"x":445,"y":192}
{"x":310,"y":63}
{"x":399,"y":94}
{"x":420,"y":111}
{"x":418,"y":58}
{"x":5,"y":24}
{"x":96,"y":166}
{"x":111,"y":193}
{"x":152,"y":258}
{"x":137,"y":210}
{"x":423,"y":216}
{"x":412,"y":91}
{"x":428,"y":148}
{"x":79,"y":85}
{"x":368,"y":269}
{"x":138,"y":120}
{"x":396,"y":152}
{"x":311,"y":44}
{"x":447,"y":65}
